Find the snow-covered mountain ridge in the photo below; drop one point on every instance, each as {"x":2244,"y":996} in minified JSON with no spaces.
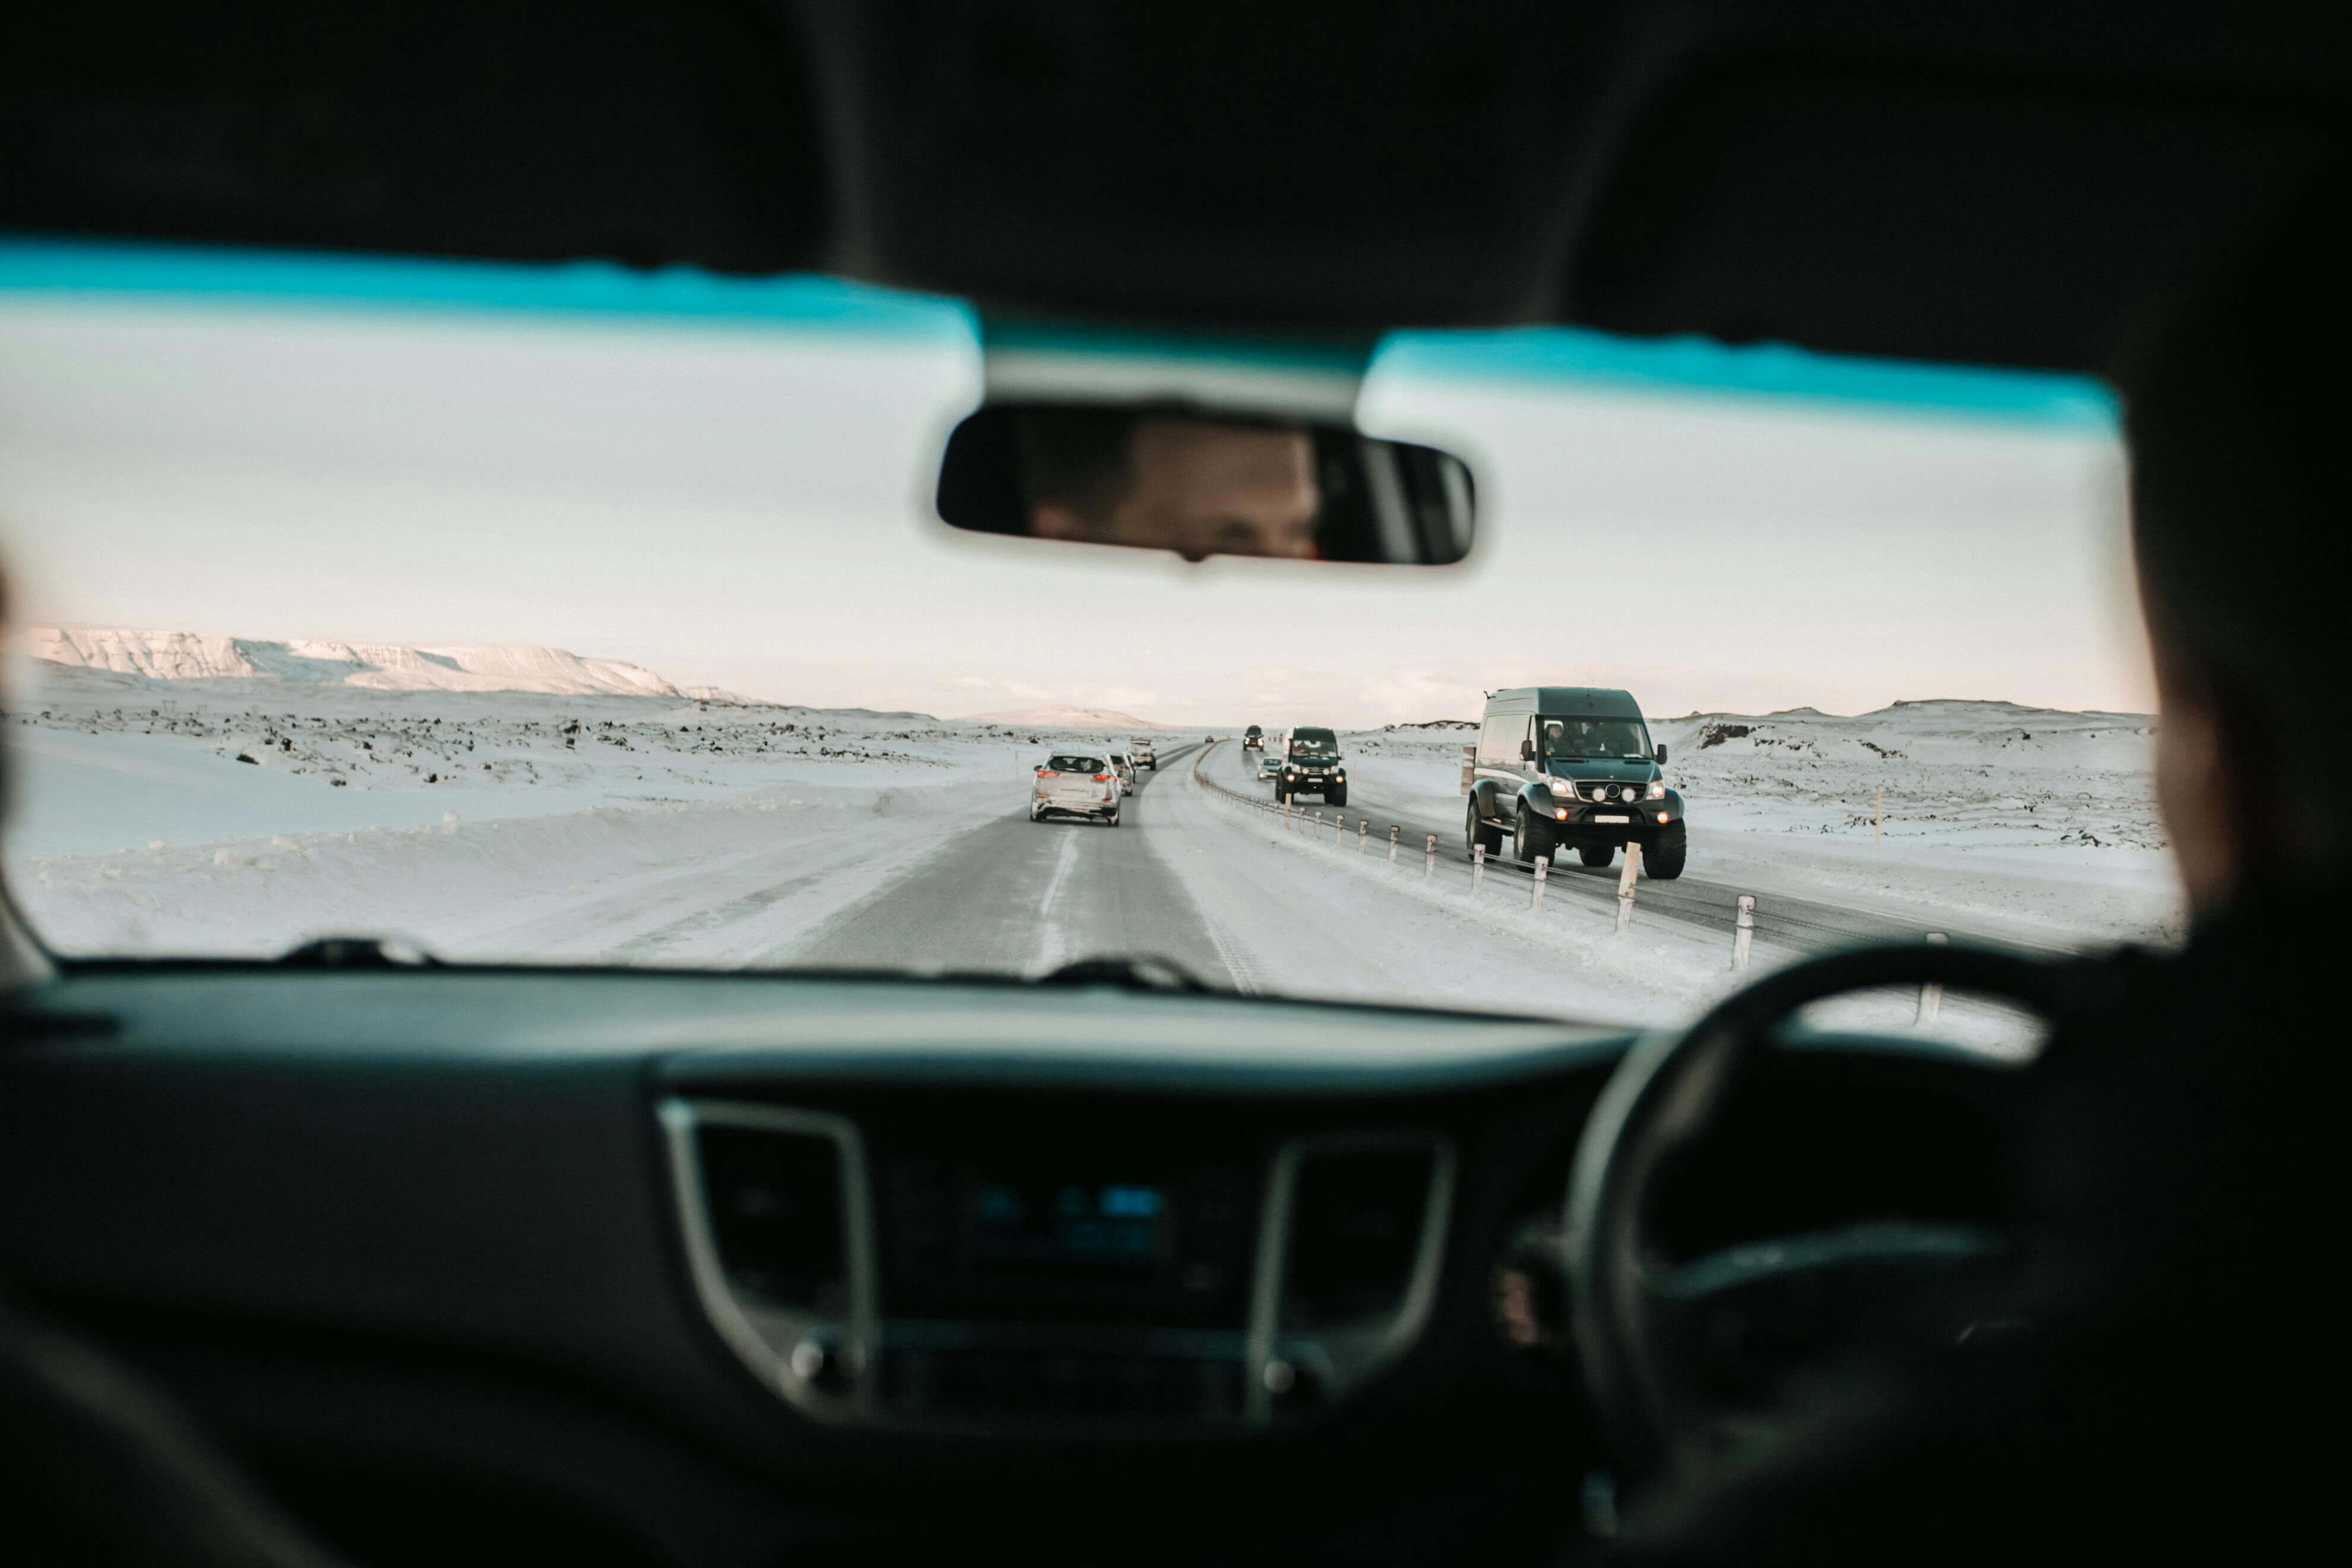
{"x":1066,"y":719}
{"x":381,"y":666}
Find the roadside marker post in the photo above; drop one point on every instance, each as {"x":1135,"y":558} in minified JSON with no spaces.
{"x":1625,"y":881}
{"x":1743,"y":932}
{"x":1393,"y":830}
{"x":1363,"y":831}
{"x":1429,"y":865}
{"x":1477,"y":869}
{"x":1543,"y":871}
{"x":1931,"y":995}
{"x":1878,"y":823}
{"x":1319,"y":821}
{"x":1339,"y":828}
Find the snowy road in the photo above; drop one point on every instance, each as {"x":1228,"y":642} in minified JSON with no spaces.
{"x":224,"y":819}
{"x":1020,"y":897}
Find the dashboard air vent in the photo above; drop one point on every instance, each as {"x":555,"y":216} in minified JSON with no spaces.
{"x":1356,"y":1219}
{"x":779,"y":1239}
{"x":775,"y":1205}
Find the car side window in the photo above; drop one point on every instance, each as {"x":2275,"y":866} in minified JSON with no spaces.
{"x":1498,"y":743}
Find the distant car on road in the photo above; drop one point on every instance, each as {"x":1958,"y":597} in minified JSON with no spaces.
{"x":1145,"y":757}
{"x":1076,"y":783}
{"x":1268,"y":764}
{"x":1125,"y":768}
{"x":1311,"y":765}
{"x":1573,"y":766}
{"x":1253,"y":738}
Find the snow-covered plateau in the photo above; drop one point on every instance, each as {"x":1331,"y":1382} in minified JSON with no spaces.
{"x":227,"y":796}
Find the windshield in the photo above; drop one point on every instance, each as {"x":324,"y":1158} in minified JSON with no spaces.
{"x":604,"y":631}
{"x":1593,"y":740}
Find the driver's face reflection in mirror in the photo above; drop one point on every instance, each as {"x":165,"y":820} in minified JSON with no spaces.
{"x":1196,"y":486}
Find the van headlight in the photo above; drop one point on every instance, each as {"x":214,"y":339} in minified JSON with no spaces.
{"x":1657,"y":789}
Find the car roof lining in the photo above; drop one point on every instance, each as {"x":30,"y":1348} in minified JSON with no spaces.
{"x":2009,"y":185}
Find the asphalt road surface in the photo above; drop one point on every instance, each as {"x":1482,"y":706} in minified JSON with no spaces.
{"x":1019,"y":897}
{"x":1797,"y":923}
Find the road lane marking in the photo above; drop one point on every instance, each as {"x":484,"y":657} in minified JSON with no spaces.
{"x":1054,"y":947}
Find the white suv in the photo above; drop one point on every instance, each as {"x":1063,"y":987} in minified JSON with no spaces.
{"x":1076,"y":783}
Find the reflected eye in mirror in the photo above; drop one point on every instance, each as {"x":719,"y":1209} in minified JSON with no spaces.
{"x":1200,"y":484}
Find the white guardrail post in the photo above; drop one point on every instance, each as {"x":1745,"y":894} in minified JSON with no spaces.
{"x":1626,"y":878}
{"x":1743,"y":932}
{"x":1543,"y":871}
{"x":1339,"y":828}
{"x":1429,"y":865}
{"x":1393,"y":830}
{"x":1319,"y":821}
{"x":1363,"y":831}
{"x":1477,"y":869}
{"x":1931,"y":995}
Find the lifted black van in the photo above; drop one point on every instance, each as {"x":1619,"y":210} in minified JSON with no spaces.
{"x":1573,"y":766}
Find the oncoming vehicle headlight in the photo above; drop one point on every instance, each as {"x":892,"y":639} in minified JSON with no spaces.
{"x":1657,"y":789}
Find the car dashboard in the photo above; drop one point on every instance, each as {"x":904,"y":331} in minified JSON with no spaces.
{"x":674,"y":1267}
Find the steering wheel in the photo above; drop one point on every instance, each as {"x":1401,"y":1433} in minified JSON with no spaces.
{"x":1633,"y":1305}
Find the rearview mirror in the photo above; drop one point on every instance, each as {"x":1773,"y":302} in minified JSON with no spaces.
{"x":1527,"y":751}
{"x":1662,"y":756}
{"x":1200,"y":483}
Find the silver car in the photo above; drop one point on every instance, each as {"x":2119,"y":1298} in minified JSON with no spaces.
{"x":1076,"y":783}
{"x":1126,"y":770}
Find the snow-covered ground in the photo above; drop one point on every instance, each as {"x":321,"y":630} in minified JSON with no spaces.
{"x":2006,"y":819}
{"x":243,"y":814}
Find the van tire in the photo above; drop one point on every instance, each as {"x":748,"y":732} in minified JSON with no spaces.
{"x":1478,"y":835}
{"x":1663,"y":861}
{"x":1530,"y":840}
{"x":1338,"y":797}
{"x":1596,"y":855}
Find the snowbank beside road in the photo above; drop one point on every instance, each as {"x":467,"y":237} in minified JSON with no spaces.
{"x":706,"y":883}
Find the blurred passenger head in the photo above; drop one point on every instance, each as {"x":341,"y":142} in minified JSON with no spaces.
{"x":1199,"y":487}
{"x":2240,"y":424}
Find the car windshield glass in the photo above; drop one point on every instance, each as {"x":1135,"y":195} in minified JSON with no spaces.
{"x":1580,"y":740}
{"x":562,"y":615}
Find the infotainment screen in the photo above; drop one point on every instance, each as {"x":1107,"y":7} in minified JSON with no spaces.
{"x":1034,"y":1224}
{"x":1101,"y":1235}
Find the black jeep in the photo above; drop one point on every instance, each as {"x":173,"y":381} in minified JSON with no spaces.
{"x":1311,"y":765}
{"x":1573,"y":766}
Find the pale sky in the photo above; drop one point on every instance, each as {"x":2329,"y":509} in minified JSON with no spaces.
{"x":749,"y":507}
